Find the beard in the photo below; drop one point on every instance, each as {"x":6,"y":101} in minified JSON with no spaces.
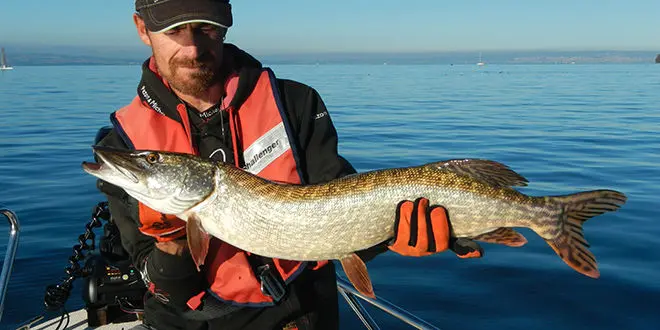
{"x":195,"y":83}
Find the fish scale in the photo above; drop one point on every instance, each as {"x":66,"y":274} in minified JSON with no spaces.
{"x":360,"y":213}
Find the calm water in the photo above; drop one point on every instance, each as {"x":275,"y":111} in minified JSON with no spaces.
{"x":566,"y":128}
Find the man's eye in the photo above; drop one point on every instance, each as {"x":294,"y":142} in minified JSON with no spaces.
{"x":209,"y":29}
{"x":173,"y":30}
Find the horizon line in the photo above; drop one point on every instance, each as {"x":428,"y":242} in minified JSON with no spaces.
{"x":347,"y":51}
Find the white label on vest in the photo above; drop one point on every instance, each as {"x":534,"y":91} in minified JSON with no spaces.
{"x":266,"y":149}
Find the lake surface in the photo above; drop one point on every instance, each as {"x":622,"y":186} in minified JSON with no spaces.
{"x":566,"y":128}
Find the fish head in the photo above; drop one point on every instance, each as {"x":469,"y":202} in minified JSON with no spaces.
{"x":169,"y":183}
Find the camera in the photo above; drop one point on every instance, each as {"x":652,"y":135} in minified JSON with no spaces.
{"x":114,"y":290}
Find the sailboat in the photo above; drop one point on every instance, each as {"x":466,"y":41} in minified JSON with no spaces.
{"x":3,"y":62}
{"x":480,"y":63}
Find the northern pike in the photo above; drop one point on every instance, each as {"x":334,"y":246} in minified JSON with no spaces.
{"x":333,"y":220}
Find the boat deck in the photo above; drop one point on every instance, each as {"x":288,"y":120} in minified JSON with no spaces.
{"x":77,"y":321}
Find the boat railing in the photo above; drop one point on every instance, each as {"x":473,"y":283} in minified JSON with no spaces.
{"x":8,"y":264}
{"x":349,"y":293}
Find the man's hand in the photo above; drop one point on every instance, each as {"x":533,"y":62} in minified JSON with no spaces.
{"x":174,"y":248}
{"x":173,"y":277}
{"x":422,"y":230}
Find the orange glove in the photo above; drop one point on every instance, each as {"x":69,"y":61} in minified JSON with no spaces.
{"x":420,"y":230}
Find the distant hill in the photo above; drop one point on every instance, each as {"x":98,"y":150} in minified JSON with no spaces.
{"x":62,"y":55}
{"x":40,"y":55}
{"x":501,"y":57}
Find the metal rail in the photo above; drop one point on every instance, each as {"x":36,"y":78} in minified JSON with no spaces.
{"x":350,"y":294}
{"x":8,"y":264}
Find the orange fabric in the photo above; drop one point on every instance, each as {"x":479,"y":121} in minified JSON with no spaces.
{"x":231,"y":276}
{"x":196,"y":300}
{"x":436,"y":216}
{"x":164,"y":227}
{"x":137,"y":120}
{"x":255,"y":119}
{"x":228,"y":269}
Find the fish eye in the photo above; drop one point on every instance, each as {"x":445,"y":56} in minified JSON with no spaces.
{"x":153,"y":158}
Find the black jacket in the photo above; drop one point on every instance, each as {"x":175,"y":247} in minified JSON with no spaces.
{"x":319,"y":161}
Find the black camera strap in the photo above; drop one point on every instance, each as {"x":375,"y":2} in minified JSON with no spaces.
{"x":57,"y":294}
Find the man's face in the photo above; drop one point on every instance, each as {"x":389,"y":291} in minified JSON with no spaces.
{"x":188,"y":56}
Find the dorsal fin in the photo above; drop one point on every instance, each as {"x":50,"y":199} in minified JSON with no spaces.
{"x":488,"y":171}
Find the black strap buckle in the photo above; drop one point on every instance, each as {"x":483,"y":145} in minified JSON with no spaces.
{"x":272,"y":284}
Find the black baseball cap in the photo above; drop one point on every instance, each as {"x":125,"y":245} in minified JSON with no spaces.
{"x":162,"y":15}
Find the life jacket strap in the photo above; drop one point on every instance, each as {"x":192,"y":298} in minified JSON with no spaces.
{"x":272,"y":283}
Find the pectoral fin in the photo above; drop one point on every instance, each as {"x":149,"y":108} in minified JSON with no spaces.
{"x":356,"y":271}
{"x":198,"y":240}
{"x":504,"y":236}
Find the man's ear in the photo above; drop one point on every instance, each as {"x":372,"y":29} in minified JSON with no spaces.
{"x":141,"y":29}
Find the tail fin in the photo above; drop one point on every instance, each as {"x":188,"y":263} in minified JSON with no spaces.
{"x":570,"y":245}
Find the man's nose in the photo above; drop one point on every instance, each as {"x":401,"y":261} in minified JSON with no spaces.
{"x":191,"y":40}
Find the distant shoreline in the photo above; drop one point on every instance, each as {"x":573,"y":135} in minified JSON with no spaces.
{"x":266,"y":63}
{"x":17,"y":57}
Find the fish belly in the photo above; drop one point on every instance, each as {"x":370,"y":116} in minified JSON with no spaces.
{"x":337,"y":225}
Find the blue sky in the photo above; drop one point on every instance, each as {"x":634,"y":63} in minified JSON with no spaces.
{"x":362,"y":25}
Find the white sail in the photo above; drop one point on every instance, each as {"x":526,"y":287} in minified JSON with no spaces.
{"x":3,"y":62}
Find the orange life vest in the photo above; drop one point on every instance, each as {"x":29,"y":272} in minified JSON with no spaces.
{"x":260,"y":124}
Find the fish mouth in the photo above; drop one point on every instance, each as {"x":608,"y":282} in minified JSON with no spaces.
{"x":111,"y":160}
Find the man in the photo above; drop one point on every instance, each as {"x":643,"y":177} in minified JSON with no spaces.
{"x":201,"y":96}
